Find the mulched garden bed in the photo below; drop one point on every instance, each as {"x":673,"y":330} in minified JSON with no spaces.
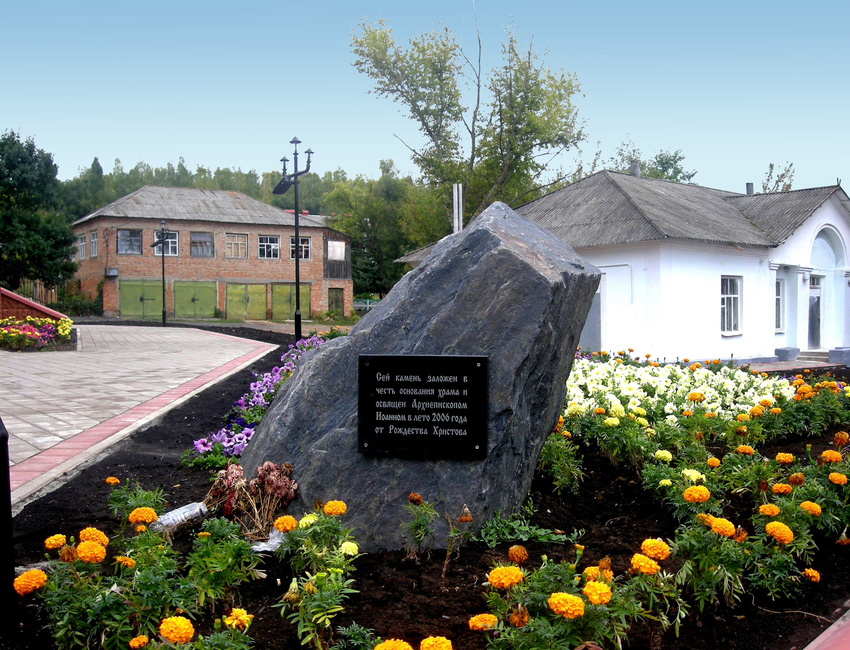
{"x":404,"y":599}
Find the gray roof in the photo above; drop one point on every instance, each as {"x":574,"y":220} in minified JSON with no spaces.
{"x":222,"y":206}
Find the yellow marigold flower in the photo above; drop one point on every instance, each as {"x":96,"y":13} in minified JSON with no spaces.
{"x":111,"y":480}
{"x":611,"y":422}
{"x":349,"y":548}
{"x":54,"y":541}
{"x":285,"y":524}
{"x":644,"y":564}
{"x":90,"y":552}
{"x":665,"y":482}
{"x":505,"y":577}
{"x":811,"y":574}
{"x":307,"y":520}
{"x":811,"y":507}
{"x":837,"y":478}
{"x":238,"y":619}
{"x":93,"y":535}
{"x":142,"y":516}
{"x":393,"y":644}
{"x":746,"y":450}
{"x":775,"y":410}
{"x":722,"y":527}
{"x":435,"y":643}
{"x":141,"y":528}
{"x":482,"y":622}
{"x":692,"y":475}
{"x":29,"y":581}
{"x":769,"y":510}
{"x":781,"y":488}
{"x":596,"y":573}
{"x":797,"y":478}
{"x":696,"y":494}
{"x":780,"y":532}
{"x":517,"y":554}
{"x":713,"y":462}
{"x":742,"y":417}
{"x":125,"y":561}
{"x":831,"y":456}
{"x":784,"y":459}
{"x":663,"y":455}
{"x":841,"y":438}
{"x":574,"y":410}
{"x":566,"y":605}
{"x":655,"y":549}
{"x":177,"y":629}
{"x":204,"y":534}
{"x":335,"y":508}
{"x":138,"y":642}
{"x":598,"y":593}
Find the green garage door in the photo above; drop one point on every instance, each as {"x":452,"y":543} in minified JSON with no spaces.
{"x":194,"y":299}
{"x":246,"y":301}
{"x":139,"y":299}
{"x":283,"y":301}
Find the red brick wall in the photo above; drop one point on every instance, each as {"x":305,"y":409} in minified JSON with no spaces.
{"x":184,"y":267}
{"x":11,"y":304}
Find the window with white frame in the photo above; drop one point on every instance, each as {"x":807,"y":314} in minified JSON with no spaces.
{"x":81,"y":247}
{"x":235,"y":245}
{"x":779,"y":322}
{"x":304,"y":248}
{"x":172,"y":245}
{"x":93,"y":243}
{"x":129,"y":242}
{"x":201,"y":244}
{"x":730,"y":304}
{"x":268,"y":247}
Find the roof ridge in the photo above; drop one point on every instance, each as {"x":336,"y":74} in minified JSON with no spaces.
{"x":628,"y":198}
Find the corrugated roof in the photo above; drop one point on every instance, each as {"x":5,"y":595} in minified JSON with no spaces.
{"x":206,"y":205}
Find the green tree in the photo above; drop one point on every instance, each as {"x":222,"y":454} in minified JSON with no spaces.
{"x":665,"y":164}
{"x":778,"y":181}
{"x":35,"y":243}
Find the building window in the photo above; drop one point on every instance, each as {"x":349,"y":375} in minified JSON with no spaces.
{"x":269,"y":247}
{"x":93,"y":243}
{"x":235,"y":245}
{"x":201,"y":244}
{"x":304,"y":249}
{"x":336,"y":250}
{"x":129,"y":242}
{"x":780,"y":306}
{"x":171,"y":245}
{"x":81,"y":247}
{"x":730,"y":304}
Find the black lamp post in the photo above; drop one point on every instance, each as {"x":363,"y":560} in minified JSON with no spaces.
{"x":162,"y":235}
{"x":282,"y":187}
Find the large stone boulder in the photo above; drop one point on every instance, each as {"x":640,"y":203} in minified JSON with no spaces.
{"x":502,"y":288}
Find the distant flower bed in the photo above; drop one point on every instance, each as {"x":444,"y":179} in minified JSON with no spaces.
{"x":33,"y":332}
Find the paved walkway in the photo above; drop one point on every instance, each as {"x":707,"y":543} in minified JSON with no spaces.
{"x":61,"y":408}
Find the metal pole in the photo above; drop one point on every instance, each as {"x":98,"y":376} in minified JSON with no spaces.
{"x":162,"y":255}
{"x":297,"y":252}
{"x":8,"y":600}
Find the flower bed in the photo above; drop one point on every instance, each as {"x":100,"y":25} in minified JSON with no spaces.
{"x":39,"y":333}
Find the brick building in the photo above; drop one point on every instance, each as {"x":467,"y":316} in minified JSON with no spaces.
{"x":226,"y":255}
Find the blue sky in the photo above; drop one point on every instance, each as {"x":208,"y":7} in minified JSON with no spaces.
{"x":734,"y":85}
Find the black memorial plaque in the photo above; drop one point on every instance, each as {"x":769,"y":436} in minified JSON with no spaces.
{"x":424,"y":407}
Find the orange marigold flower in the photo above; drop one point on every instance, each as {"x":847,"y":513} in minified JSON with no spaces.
{"x":687,"y":413}
{"x":142,"y":516}
{"x":68,"y":554}
{"x":741,"y":430}
{"x":746,"y":450}
{"x":93,"y":535}
{"x":775,"y":410}
{"x":644,"y":564}
{"x":394,"y":644}
{"x":505,"y":577}
{"x":139,"y":642}
{"x":841,"y":438}
{"x":781,"y":488}
{"x":517,"y":554}
{"x":696,"y":397}
{"x":780,"y":532}
{"x":435,"y":643}
{"x":566,"y":605}
{"x":696,"y":494}
{"x":713,"y":462}
{"x":655,"y":549}
{"x":742,"y":417}
{"x":54,"y":541}
{"x":177,"y":629}
{"x":757,"y":411}
{"x":141,"y":528}
{"x":465,"y":516}
{"x":599,"y":410}
{"x":837,"y":478}
{"x":482,"y":622}
{"x":519,"y":617}
{"x":784,"y":459}
{"x":811,"y":507}
{"x":29,"y":581}
{"x":415,"y":498}
{"x":831,"y":456}
{"x":811,"y":574}
{"x":705,"y":519}
{"x":740,"y":535}
{"x":769,"y":510}
{"x":598,"y":573}
{"x":797,"y":478}
{"x":598,"y":593}
{"x":238,"y":619}
{"x":765,"y":403}
{"x":335,"y":508}
{"x":125,"y":561}
{"x":111,"y":480}
{"x":722,"y":527}
{"x":204,"y":534}
{"x":286,"y":523}
{"x":90,"y":552}
{"x":710,"y":414}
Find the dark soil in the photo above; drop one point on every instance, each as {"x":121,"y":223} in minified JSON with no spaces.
{"x":402,"y":599}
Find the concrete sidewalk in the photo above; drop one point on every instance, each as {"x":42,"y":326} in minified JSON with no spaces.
{"x":61,"y":408}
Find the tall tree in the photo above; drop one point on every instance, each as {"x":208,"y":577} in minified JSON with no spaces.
{"x":665,"y":164}
{"x":778,"y":181}
{"x":35,"y":243}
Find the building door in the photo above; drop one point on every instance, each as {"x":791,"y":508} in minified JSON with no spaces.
{"x":194,"y":299}
{"x":814,"y":311}
{"x":336,"y":301}
{"x":139,"y":299}
{"x":246,"y":301}
{"x":283,"y":301}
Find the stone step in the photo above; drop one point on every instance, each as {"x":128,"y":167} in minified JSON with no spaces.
{"x":814,"y":356}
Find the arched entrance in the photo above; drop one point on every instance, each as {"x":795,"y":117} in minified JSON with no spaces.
{"x":827,"y":256}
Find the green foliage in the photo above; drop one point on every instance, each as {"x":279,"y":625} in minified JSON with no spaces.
{"x":212,"y":459}
{"x":129,"y":496}
{"x":420,"y":526}
{"x":224,"y":640}
{"x":518,"y":528}
{"x":665,"y":165}
{"x":559,"y":459}
{"x":356,"y":637}
{"x":316,"y":544}
{"x":322,"y":595}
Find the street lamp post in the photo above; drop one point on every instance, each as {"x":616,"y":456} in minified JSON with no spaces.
{"x":162,"y":235}
{"x":283,"y":186}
